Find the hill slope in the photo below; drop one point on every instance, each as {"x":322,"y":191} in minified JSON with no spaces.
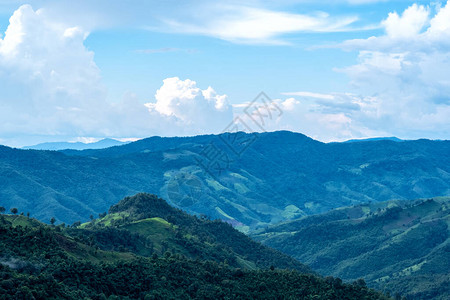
{"x":39,"y":261}
{"x":145,"y":224}
{"x":262,"y":178}
{"x":400,"y":246}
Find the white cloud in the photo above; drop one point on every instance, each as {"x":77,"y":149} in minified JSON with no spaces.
{"x":310,"y":94}
{"x":50,"y":84}
{"x":46,"y":75}
{"x":440,"y":24}
{"x":406,"y":72}
{"x":247,"y":21}
{"x":246,"y":24}
{"x":416,"y":29}
{"x":51,"y":87}
{"x":196,"y":110}
{"x":408,"y":25}
{"x":326,"y":117}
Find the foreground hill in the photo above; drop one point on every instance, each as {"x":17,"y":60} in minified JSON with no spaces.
{"x":399,"y":246}
{"x":250,"y":180}
{"x":145,"y":224}
{"x":39,"y":261}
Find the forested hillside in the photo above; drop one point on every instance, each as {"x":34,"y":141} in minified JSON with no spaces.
{"x":39,"y":261}
{"x":250,"y":180}
{"x":398,"y":246}
{"x":145,"y":224}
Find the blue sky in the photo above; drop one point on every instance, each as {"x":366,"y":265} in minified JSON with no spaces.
{"x":84,"y":70}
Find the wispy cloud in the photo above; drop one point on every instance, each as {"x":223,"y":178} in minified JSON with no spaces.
{"x":244,"y":22}
{"x":358,"y":2}
{"x":310,"y":95}
{"x":257,"y":25}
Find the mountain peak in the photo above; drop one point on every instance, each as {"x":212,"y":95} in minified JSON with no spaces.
{"x":144,"y":205}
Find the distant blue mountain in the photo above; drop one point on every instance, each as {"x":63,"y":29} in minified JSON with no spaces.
{"x":105,"y":143}
{"x":391,"y":138}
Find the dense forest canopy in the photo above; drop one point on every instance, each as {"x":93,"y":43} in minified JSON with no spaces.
{"x":400,"y":246}
{"x":39,"y":261}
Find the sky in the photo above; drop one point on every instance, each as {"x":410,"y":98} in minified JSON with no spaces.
{"x":333,"y":70}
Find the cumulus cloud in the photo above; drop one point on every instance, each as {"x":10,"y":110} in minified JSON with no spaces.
{"x":193,"y":109}
{"x":399,"y":86}
{"x":408,"y":25}
{"x":51,"y":87}
{"x":46,"y":74}
{"x":418,"y":28}
{"x":400,"y":83}
{"x":179,"y":108}
{"x":326,"y":117}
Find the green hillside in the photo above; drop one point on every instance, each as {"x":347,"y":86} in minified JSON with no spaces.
{"x":145,"y":224}
{"x":39,"y":261}
{"x":398,"y":246}
{"x":260,"y":179}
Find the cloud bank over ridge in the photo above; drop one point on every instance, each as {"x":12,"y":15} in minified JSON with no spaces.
{"x":51,"y":86}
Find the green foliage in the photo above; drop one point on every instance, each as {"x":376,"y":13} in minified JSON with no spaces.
{"x":397,"y":246}
{"x":145,"y":223}
{"x":37,"y":262}
{"x":76,"y":224}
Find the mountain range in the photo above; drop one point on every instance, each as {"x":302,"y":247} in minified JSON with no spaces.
{"x":248,"y":180}
{"x":104,"y":143}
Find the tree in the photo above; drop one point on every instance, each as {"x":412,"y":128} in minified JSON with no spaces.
{"x":76,"y":224}
{"x":14,"y":210}
{"x":2,"y":209}
{"x":360,"y":282}
{"x":52,"y":221}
